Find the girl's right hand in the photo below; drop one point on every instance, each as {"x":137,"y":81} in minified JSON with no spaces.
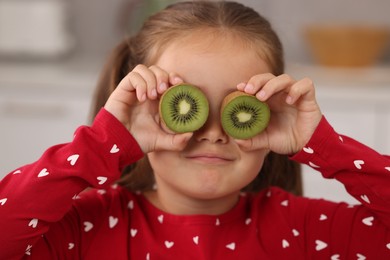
{"x":134,"y":103}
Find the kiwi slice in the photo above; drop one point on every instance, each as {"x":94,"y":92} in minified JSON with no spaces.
{"x":184,"y":108}
{"x":244,"y":116}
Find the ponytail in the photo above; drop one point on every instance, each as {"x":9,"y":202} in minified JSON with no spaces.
{"x":121,"y":61}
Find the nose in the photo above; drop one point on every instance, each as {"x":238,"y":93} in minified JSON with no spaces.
{"x":212,"y":130}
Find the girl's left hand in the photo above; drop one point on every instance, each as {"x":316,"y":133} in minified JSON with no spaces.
{"x":295,"y":113}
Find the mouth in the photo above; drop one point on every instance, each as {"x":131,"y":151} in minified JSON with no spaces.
{"x":209,"y":158}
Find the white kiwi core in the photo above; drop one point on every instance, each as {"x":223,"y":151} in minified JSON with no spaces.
{"x":243,"y":117}
{"x":184,"y":107}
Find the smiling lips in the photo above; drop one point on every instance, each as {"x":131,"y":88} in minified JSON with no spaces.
{"x":209,"y":158}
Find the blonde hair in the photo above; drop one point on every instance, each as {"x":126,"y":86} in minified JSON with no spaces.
{"x":173,"y":23}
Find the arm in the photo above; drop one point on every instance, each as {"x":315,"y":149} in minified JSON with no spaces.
{"x":298,"y":127}
{"x":36,"y":195}
{"x":339,"y":230}
{"x":364,"y":172}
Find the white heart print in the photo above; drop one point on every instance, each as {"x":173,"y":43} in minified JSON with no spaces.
{"x":87,"y":226}
{"x":284,"y":203}
{"x":368,"y":221}
{"x":114,"y":149}
{"x":130,"y":205}
{"x":73,"y":159}
{"x":295,"y":232}
{"x":133,"y":232}
{"x":33,"y":223}
{"x":308,"y":150}
{"x":43,"y":173}
{"x":365,"y":198}
{"x":360,"y":256}
{"x":169,"y":244}
{"x":231,"y":246}
{"x":320,"y":245}
{"x":3,"y":201}
{"x":196,"y":239}
{"x":358,"y":164}
{"x":70,"y":246}
{"x":335,"y":257}
{"x":285,"y":243}
{"x":112,"y":221}
{"x":313,"y":165}
{"x":101,"y":180}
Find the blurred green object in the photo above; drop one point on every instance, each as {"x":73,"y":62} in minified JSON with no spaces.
{"x":136,"y":11}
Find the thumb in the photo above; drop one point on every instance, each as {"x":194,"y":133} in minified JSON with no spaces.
{"x":255,"y":143}
{"x":173,"y":142}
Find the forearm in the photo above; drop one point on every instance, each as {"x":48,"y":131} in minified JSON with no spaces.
{"x":364,"y":172}
{"x":41,"y":193}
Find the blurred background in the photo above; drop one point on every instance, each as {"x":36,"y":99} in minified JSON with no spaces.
{"x":52,"y":51}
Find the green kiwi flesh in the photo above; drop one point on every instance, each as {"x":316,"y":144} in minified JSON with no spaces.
{"x":244,"y":116}
{"x":184,"y":108}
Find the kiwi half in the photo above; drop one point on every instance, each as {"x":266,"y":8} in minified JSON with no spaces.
{"x":184,"y":108}
{"x":244,"y":116}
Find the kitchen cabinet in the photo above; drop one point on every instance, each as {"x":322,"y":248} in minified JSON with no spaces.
{"x":41,"y":104}
{"x":357,"y":103}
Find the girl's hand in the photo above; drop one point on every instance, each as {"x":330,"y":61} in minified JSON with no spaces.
{"x":295,"y":113}
{"x":134,"y":102}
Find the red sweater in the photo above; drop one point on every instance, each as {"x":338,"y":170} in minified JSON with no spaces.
{"x":45,"y":215}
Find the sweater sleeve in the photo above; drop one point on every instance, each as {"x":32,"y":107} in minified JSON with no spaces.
{"x":351,"y":232}
{"x":36,"y":195}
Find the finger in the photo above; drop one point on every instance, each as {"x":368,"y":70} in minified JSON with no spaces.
{"x":162,"y":78}
{"x":255,"y":143}
{"x":275,"y":85}
{"x":255,"y":83}
{"x":173,"y":142}
{"x":150,"y":80}
{"x":303,"y":87}
{"x":175,"y":79}
{"x":133,"y":81}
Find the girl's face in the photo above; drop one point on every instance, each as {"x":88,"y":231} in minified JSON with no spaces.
{"x":212,"y":167}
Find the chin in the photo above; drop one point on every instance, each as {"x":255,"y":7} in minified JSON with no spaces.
{"x":213,"y":186}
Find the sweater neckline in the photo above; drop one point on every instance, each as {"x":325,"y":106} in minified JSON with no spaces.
{"x":239,"y":211}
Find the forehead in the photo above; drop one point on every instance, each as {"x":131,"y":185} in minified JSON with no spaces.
{"x":212,"y":55}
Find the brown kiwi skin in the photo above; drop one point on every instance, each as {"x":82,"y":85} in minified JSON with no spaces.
{"x":232,"y":96}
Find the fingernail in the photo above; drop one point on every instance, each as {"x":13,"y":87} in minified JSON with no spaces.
{"x":249,"y":87}
{"x":177,"y":80}
{"x":289,"y":100}
{"x":154,"y":93}
{"x":241,"y":86}
{"x":261,"y":94}
{"x":162,"y":87}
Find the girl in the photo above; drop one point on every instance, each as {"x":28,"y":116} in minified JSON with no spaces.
{"x":185,"y":199}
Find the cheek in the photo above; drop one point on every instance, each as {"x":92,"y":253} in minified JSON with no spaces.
{"x":252,"y":163}
{"x":160,"y":160}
